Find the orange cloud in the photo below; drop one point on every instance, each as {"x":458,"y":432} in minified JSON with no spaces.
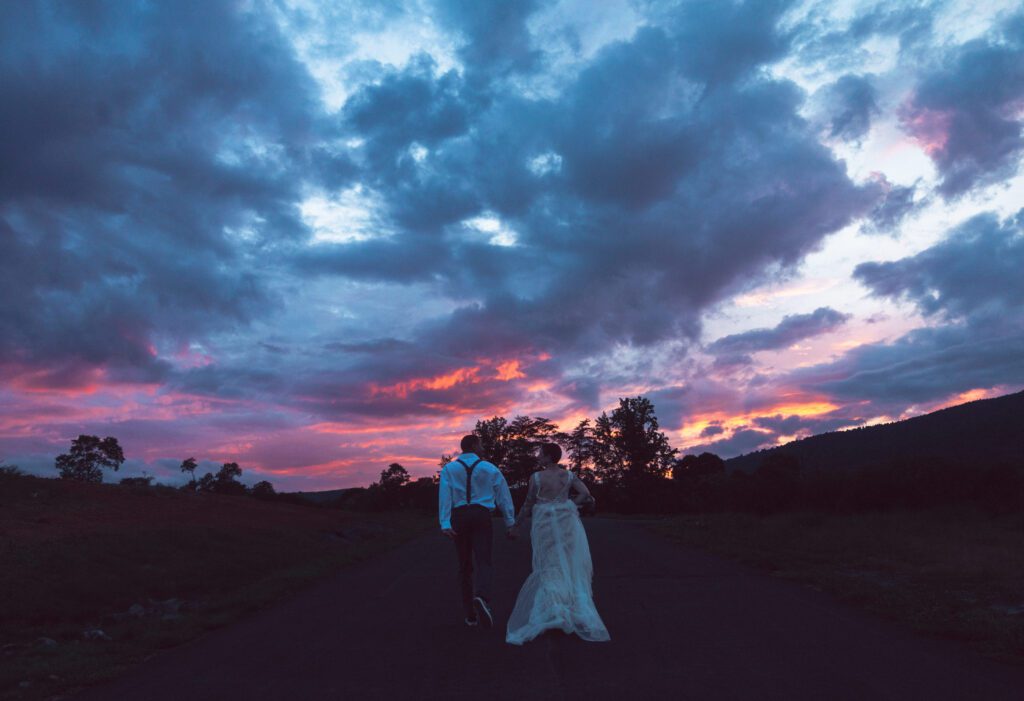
{"x":968,"y":396}
{"x":402,"y":389}
{"x":690,"y":432}
{"x":504,"y":371}
{"x":509,"y":370}
{"x":811,"y":408}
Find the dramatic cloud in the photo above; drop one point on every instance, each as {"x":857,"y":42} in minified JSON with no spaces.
{"x":966,"y":112}
{"x":791,"y":329}
{"x":924,"y":365}
{"x":801,"y":425}
{"x":144,"y":169}
{"x":323,"y":237}
{"x":975,"y":272}
{"x":970,"y":283}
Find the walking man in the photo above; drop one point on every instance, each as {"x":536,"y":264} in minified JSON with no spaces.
{"x":471,"y":488}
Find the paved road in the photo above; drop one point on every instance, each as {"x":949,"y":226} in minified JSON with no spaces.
{"x":684,"y":625}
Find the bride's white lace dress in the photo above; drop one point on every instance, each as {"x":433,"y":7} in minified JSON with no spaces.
{"x":557,"y":594}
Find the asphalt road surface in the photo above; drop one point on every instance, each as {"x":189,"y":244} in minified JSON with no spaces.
{"x":684,"y":625}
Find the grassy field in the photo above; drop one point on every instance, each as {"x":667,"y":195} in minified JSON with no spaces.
{"x":951,"y":573}
{"x":150,"y":568}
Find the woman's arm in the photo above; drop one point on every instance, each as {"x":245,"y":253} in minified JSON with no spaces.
{"x":583,"y":495}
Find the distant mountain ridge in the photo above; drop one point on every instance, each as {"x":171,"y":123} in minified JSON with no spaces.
{"x":984,"y":431}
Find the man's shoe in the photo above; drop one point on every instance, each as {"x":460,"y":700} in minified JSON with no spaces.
{"x":483,"y":612}
{"x":471,"y":622}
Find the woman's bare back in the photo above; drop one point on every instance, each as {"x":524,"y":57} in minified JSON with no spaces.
{"x":552,"y":484}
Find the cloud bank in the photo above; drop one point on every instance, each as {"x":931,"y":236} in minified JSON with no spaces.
{"x":313,"y":239}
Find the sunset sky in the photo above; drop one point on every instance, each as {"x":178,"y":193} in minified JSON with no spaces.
{"x":316,"y":238}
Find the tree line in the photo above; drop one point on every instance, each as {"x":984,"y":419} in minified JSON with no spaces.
{"x":630,"y":467}
{"x":89,"y":455}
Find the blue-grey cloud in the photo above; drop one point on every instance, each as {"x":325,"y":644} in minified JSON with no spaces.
{"x":723,"y":42}
{"x":149,"y":152}
{"x":792,"y":328}
{"x":898,"y":202}
{"x":852,"y":102}
{"x":794,"y":425}
{"x":818,"y":41}
{"x":924,"y":365}
{"x":626,"y":233}
{"x":163,"y":151}
{"x":966,"y":110}
{"x":743,"y":440}
{"x":969,"y":284}
{"x":974,"y":271}
{"x":495,"y":37}
{"x":711,"y":430}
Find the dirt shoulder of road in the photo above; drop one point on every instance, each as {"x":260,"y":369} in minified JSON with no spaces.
{"x":948,"y":573}
{"x":98,"y":577}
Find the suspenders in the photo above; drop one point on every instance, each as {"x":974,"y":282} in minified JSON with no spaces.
{"x":469,"y":479}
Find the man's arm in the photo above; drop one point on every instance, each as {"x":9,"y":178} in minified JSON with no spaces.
{"x":503,"y":498}
{"x":444,"y":502}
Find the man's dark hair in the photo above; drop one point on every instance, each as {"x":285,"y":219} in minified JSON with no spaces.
{"x":470,"y":443}
{"x":552,"y":450}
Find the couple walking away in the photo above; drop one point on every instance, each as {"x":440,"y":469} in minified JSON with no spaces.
{"x":557,"y":594}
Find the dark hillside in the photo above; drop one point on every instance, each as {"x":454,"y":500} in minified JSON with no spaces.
{"x":986,"y":431}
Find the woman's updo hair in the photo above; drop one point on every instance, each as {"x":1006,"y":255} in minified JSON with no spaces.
{"x":552,"y":450}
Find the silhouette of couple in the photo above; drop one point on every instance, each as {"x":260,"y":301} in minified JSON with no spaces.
{"x":557,"y":594}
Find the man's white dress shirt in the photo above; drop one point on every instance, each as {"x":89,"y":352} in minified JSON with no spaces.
{"x":489,"y":489}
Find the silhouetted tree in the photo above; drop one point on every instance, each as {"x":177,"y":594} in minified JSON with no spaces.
{"x":87,"y":457}
{"x":604,"y":451}
{"x":627,"y":446}
{"x":644,"y":447}
{"x":581,"y":446}
{"x":511,"y":445}
{"x":698,"y":466}
{"x":226,"y":481}
{"x":494,"y":437}
{"x":188,"y":466}
{"x":206,"y":483}
{"x":525,"y":433}
{"x":393,"y":477}
{"x":263,"y":490}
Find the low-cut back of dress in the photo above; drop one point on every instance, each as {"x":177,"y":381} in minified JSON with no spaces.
{"x":558,"y":593}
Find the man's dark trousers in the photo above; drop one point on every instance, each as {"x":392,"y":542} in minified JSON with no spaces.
{"x":473,"y":538}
